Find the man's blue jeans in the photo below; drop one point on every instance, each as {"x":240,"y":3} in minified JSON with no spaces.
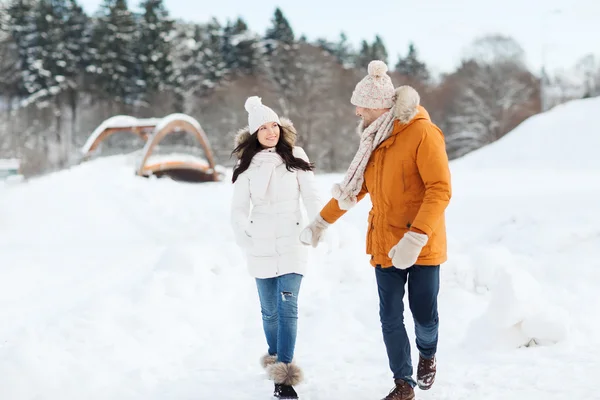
{"x":279,"y":308}
{"x":423,"y":288}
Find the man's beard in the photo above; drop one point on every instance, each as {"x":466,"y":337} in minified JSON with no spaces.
{"x":360,"y":127}
{"x":365,"y":122}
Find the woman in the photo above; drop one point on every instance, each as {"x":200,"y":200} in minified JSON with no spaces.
{"x":273,"y":175}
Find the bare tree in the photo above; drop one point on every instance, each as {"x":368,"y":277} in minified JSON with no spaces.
{"x":495,"y":49}
{"x":496,"y":93}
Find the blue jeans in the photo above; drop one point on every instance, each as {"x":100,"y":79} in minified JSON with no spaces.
{"x":423,"y":288}
{"x":279,"y":308}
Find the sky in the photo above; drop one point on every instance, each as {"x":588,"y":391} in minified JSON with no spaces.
{"x":554,"y":33}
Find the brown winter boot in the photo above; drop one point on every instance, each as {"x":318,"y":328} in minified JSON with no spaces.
{"x":426,"y":372}
{"x":402,"y":391}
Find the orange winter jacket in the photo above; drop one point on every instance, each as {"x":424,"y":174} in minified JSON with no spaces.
{"x":408,"y":179}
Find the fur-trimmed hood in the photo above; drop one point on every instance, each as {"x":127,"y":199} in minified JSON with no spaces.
{"x":288,"y":133}
{"x":406,"y":104}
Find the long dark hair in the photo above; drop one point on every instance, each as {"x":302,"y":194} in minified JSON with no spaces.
{"x":251,"y":146}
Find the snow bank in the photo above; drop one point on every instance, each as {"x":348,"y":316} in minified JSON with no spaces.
{"x":522,"y":224}
{"x":176,"y":157}
{"x":563,"y":138}
{"x":115,"y":286}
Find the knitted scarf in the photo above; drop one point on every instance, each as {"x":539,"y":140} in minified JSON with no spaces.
{"x":371,"y":137}
{"x":266,"y":161}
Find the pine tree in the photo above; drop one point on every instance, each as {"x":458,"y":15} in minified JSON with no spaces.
{"x":364,"y":56}
{"x":341,"y":50}
{"x":76,"y":39}
{"x":185,"y":69}
{"x":378,"y":50}
{"x":199,"y":65}
{"x":239,"y":48}
{"x":282,"y":65}
{"x":369,"y":52}
{"x":280,"y":34}
{"x":154,"y":46}
{"x":411,"y":67}
{"x":20,"y":24}
{"x":114,"y":58}
{"x":212,"y":63}
{"x":46,"y":76}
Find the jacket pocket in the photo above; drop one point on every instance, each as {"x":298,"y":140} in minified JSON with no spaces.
{"x":410,"y":176}
{"x":288,"y":232}
{"x":393,"y":235}
{"x":262,"y":232}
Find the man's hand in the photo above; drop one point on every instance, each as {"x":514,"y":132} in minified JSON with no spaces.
{"x":405,"y":254}
{"x":313,"y":233}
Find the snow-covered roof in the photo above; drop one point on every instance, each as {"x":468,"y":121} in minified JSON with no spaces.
{"x":9,"y":163}
{"x":126,"y":121}
{"x":118,"y":121}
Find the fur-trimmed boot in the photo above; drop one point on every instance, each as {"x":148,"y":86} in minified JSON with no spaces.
{"x":285,"y":377}
{"x":267,"y":360}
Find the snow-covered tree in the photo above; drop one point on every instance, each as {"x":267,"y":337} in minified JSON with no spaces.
{"x":19,"y":23}
{"x":369,"y":52}
{"x":114,"y":64}
{"x":495,"y":49}
{"x":279,"y":33}
{"x":154,"y":47}
{"x":588,"y":69}
{"x":342,"y":50}
{"x":492,"y":100}
{"x":282,"y":65}
{"x":411,"y":67}
{"x":240,"y":48}
{"x":378,"y":50}
{"x":199,"y":65}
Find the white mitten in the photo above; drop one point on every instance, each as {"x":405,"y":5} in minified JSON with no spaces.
{"x":313,"y":233}
{"x":405,"y":254}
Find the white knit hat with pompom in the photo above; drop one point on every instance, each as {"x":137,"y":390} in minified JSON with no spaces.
{"x":258,"y":114}
{"x":376,"y":89}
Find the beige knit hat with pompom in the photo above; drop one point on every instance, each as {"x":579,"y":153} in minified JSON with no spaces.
{"x":376,"y":89}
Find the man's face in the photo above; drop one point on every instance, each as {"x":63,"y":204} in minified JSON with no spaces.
{"x":369,"y":115}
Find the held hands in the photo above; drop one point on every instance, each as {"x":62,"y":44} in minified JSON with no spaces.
{"x":313,"y":233}
{"x":405,"y":254}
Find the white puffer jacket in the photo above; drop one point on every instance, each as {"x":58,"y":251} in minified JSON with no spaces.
{"x":267,"y":224}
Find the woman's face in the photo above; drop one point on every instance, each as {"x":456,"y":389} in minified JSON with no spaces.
{"x":268,"y":134}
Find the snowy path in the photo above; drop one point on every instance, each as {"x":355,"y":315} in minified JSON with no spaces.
{"x":117,"y":287}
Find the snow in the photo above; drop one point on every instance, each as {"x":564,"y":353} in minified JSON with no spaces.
{"x":10,"y":163}
{"x":177,"y":117}
{"x":178,"y":157}
{"x":116,"y":286}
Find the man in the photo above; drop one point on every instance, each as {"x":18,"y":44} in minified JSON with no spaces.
{"x":402,"y":163}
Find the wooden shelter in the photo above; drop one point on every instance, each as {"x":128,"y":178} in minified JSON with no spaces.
{"x":153,"y":131}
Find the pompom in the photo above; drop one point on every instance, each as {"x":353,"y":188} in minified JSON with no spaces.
{"x":377,"y":68}
{"x":252,"y":103}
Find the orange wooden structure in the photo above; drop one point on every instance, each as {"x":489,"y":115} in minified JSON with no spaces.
{"x":153,"y":130}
